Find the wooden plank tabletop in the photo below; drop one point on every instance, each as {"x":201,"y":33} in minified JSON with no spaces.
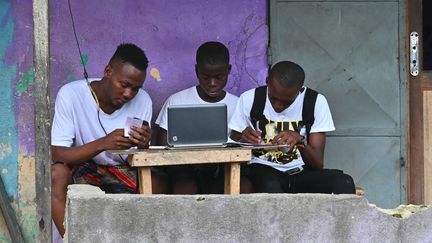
{"x":161,"y":157}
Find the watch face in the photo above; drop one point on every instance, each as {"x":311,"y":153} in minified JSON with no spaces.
{"x":303,"y":140}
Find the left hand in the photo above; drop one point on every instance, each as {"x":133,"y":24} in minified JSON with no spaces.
{"x":140,"y":135}
{"x":289,"y":138}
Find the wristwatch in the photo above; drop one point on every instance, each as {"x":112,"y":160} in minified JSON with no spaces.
{"x":302,"y":140}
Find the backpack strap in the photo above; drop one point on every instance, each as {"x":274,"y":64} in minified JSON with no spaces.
{"x":258,"y":105}
{"x":309,"y":109}
{"x":308,"y":117}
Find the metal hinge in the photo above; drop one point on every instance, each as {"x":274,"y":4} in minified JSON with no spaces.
{"x":414,"y":56}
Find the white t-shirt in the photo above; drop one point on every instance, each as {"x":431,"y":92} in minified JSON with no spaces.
{"x":76,"y":118}
{"x":288,"y":119}
{"x":190,"y":96}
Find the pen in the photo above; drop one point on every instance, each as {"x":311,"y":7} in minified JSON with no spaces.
{"x":250,"y":124}
{"x":253,"y":127}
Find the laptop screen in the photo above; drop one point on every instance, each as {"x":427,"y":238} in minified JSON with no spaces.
{"x":197,"y":125}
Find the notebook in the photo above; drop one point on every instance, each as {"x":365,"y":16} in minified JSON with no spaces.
{"x":203,"y":125}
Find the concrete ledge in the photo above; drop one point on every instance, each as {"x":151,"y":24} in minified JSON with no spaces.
{"x":93,"y":216}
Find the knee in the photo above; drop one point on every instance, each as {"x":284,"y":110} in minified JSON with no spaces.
{"x":60,"y":174}
{"x":344,"y":184}
{"x":61,"y":177}
{"x":264,"y":179}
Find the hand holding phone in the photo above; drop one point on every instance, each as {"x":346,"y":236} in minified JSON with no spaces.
{"x":138,"y":132}
{"x":132,"y":121}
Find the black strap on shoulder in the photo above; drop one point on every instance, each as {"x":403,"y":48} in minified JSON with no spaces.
{"x":258,"y":105}
{"x":309,"y":109}
{"x":308,"y":117}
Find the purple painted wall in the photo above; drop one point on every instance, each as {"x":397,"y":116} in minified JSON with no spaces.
{"x":169,"y":32}
{"x":21,"y":51}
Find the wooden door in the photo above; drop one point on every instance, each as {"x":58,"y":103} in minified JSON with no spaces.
{"x":419,"y":19}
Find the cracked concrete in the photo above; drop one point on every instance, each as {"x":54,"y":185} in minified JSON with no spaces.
{"x":93,"y":216}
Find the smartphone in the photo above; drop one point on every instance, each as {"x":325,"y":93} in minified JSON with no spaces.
{"x":133,"y":121}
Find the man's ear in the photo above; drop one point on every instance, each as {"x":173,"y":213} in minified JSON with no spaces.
{"x":108,"y":71}
{"x":267,"y":80}
{"x":229,"y":68}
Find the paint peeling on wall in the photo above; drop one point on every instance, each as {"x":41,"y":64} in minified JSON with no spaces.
{"x":8,"y":135}
{"x":84,"y":59}
{"x":71,"y":77}
{"x":26,"y":178}
{"x":27,"y":194}
{"x":26,"y":80}
{"x":5,"y":150}
{"x":17,"y":113}
{"x":154,"y":72}
{"x":25,"y":209}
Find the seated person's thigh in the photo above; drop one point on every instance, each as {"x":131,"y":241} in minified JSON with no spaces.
{"x":111,"y":179}
{"x":266,"y":179}
{"x":323,"y":181}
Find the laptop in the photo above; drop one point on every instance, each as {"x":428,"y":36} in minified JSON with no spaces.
{"x":198,"y":127}
{"x":201,"y":125}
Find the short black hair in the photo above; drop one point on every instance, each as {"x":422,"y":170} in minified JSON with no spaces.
{"x":132,"y":54}
{"x":212,"y":52}
{"x":288,"y":74}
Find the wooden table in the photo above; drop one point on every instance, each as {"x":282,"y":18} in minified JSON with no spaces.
{"x":231,"y":157}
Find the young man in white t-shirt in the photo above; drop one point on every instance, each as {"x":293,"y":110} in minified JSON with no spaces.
{"x":299,"y":167}
{"x":212,"y":69}
{"x":89,"y":119}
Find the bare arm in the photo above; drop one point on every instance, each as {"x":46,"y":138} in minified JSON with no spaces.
{"x":312,"y":153}
{"x":81,"y":154}
{"x":248,"y":135}
{"x":236,"y":136}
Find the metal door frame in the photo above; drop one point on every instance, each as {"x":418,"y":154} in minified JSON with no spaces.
{"x":403,"y":84}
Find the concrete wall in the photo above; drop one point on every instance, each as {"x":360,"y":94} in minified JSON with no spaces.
{"x":244,"y":218}
{"x":169,"y":31}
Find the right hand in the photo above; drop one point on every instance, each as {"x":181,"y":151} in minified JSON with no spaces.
{"x":116,"y":140}
{"x":249,"y":135}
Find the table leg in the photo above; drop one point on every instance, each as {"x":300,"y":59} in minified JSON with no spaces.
{"x":232,"y":178}
{"x":145,"y":183}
